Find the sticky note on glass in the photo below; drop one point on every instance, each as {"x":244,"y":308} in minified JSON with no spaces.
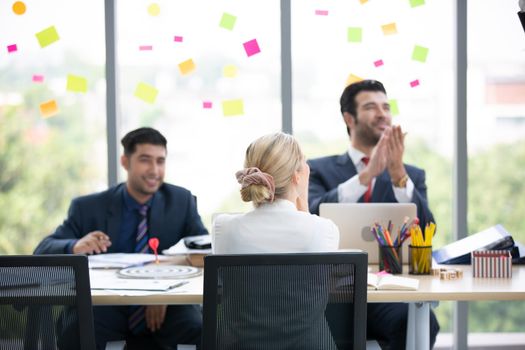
{"x":378,"y":63}
{"x":37,"y":78}
{"x":187,"y":67}
{"x":229,"y":71}
{"x":47,"y":36}
{"x":232,"y":107}
{"x":76,"y":83}
{"x":145,"y":92}
{"x":354,"y":34}
{"x":177,"y":39}
{"x":154,"y":9}
{"x":389,"y":29}
{"x":420,"y":53}
{"x":414,"y":3}
{"x":363,"y":1}
{"x":353,"y":79}
{"x":145,"y":47}
{"x":12,"y":48}
{"x":321,"y":12}
{"x":227,"y":21}
{"x":251,"y":47}
{"x":207,"y":104}
{"x":414,"y":83}
{"x":394,"y":109}
{"x":48,"y":109}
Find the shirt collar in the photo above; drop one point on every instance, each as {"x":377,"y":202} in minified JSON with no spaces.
{"x":355,"y":155}
{"x":130,"y":203}
{"x":281,"y":204}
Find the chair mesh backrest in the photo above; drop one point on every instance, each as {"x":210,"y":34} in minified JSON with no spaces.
{"x":45,"y":303}
{"x":303,"y":302}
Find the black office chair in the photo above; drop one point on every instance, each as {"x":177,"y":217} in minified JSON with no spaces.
{"x":285,"y":301}
{"x":45,"y":303}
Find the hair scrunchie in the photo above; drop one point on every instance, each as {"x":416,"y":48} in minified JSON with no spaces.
{"x":254,"y":176}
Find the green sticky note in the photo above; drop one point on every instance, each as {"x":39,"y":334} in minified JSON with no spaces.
{"x":47,"y":36}
{"x":414,"y":3}
{"x":354,"y":34}
{"x":420,"y":53}
{"x":146,"y":92}
{"x":227,"y":21}
{"x":394,"y":109}
{"x":76,"y":83}
{"x":232,"y":107}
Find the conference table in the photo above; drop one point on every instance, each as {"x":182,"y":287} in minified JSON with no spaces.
{"x":431,"y":290}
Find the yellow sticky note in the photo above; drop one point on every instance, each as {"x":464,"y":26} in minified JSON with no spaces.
{"x":47,"y":36}
{"x":394,"y":109}
{"x":48,"y":108}
{"x":232,"y":107}
{"x":187,"y":67}
{"x":154,"y":9}
{"x":353,"y":79}
{"x":414,"y":3}
{"x":363,"y":1}
{"x":228,"y":21}
{"x":389,"y":29}
{"x":229,"y":71}
{"x":354,"y":34}
{"x":76,"y":83}
{"x":147,"y":93}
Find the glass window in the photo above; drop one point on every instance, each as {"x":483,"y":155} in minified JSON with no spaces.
{"x":206,"y":146}
{"x":377,"y":40}
{"x":52,"y":115}
{"x":496,"y":140}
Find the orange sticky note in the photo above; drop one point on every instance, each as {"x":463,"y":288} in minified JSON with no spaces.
{"x":186,"y":67}
{"x":389,"y":29}
{"x":353,"y":79}
{"x":48,"y":108}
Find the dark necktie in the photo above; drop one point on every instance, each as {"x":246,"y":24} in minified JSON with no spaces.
{"x":136,"y":320}
{"x":368,"y":194}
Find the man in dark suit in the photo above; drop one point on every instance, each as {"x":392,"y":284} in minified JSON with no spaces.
{"x":372,"y":170}
{"x":122,"y":219}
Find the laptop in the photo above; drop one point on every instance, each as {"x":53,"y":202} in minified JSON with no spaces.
{"x":354,"y":221}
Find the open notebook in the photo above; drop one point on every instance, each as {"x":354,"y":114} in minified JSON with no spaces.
{"x":391,"y":282}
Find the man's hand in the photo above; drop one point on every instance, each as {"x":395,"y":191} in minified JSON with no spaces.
{"x":95,"y":242}
{"x":155,"y":315}
{"x":396,"y":148}
{"x":378,"y":159}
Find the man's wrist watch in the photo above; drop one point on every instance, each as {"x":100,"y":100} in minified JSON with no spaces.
{"x":402,"y":182}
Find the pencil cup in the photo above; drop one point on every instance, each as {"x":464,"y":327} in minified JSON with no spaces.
{"x":419,"y":260}
{"x":390,"y":259}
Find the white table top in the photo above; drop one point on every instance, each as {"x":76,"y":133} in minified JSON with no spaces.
{"x":431,"y":288}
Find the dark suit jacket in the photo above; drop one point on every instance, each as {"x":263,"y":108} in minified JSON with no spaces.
{"x":173,"y":215}
{"x":327,"y":173}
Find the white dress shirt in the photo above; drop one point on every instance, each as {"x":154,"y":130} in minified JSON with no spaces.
{"x":276,"y":227}
{"x":351,"y":190}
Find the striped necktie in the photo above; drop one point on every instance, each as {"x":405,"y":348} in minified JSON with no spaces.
{"x":368,"y":194}
{"x":136,"y":319}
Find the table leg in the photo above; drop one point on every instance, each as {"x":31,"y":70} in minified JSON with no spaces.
{"x":422,"y":325}
{"x":411,"y":327}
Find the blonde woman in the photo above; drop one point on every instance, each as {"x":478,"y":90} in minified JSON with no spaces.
{"x":275,"y":179}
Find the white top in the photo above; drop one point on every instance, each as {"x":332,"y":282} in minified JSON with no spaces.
{"x":276,"y":227}
{"x":351,"y":190}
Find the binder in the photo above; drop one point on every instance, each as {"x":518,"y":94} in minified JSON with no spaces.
{"x":495,"y":237}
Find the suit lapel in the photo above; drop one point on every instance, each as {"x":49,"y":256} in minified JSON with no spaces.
{"x":115,"y":213}
{"x":156,"y":215}
{"x":345,"y":166}
{"x":382,"y":188}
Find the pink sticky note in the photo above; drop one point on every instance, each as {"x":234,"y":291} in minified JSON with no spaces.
{"x":12,"y":48}
{"x":321,"y":12}
{"x":378,"y":63}
{"x":414,"y":83}
{"x":38,"y":78}
{"x":177,"y":39}
{"x":251,"y":47}
{"x":145,"y":47}
{"x":207,"y":104}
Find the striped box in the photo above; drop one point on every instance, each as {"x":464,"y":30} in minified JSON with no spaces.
{"x":491,"y":264}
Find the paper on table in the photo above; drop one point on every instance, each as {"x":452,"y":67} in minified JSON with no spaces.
{"x":120,"y":260}
{"x":140,"y":285}
{"x":181,"y":249}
